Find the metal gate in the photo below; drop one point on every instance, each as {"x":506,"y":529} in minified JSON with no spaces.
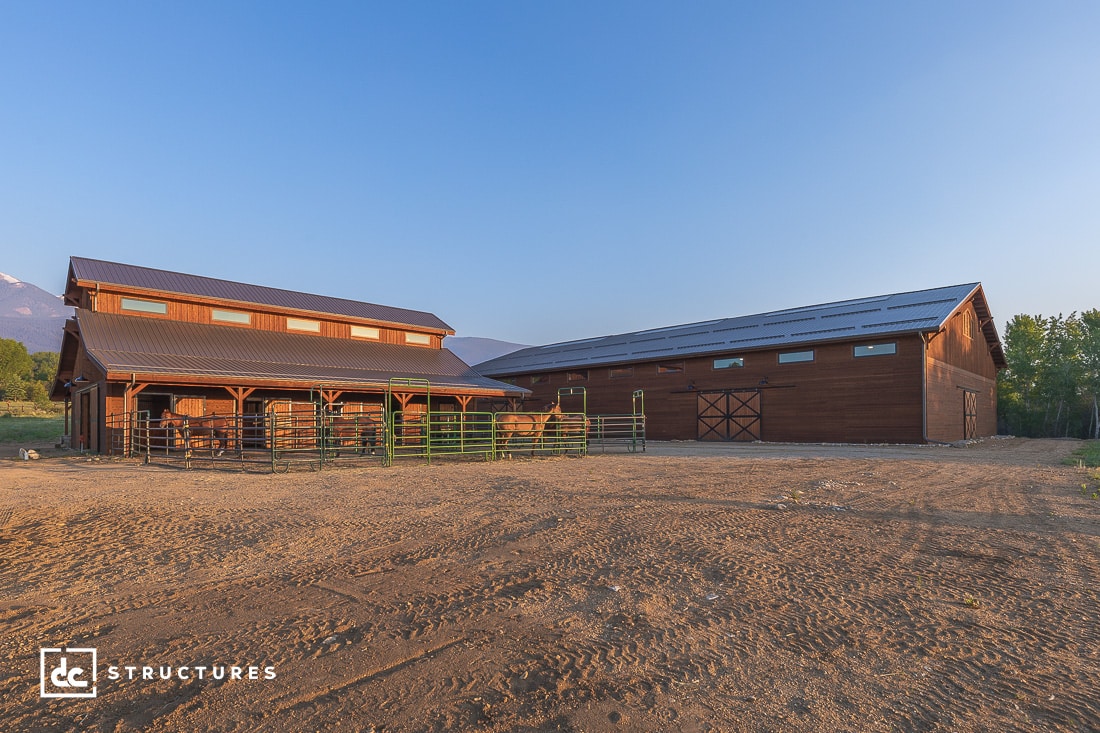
{"x":729,"y":414}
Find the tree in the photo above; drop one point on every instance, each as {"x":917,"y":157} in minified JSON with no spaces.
{"x":13,"y":387}
{"x":38,"y":394}
{"x":1051,"y":387}
{"x":45,"y":365}
{"x":1090,"y":366}
{"x":1059,"y":371}
{"x":1019,"y":384}
{"x":14,"y":360}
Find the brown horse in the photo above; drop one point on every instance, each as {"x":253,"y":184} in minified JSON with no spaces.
{"x":354,"y":431}
{"x":523,"y":425}
{"x":208,"y":426}
{"x":570,"y":430}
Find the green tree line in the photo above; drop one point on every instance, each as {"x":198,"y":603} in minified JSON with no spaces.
{"x":1051,"y":386}
{"x":26,"y":376}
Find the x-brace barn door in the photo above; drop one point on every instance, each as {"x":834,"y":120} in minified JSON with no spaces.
{"x":970,"y":415}
{"x":729,"y":414}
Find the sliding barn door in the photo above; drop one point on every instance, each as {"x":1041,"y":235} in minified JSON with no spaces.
{"x":729,"y":414}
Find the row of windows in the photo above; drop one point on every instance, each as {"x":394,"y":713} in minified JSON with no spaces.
{"x":726,"y":362}
{"x":242,"y":318}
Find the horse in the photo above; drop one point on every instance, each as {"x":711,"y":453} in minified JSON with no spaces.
{"x":570,"y":431}
{"x":210,"y":426}
{"x":356,"y":431}
{"x":523,"y":425}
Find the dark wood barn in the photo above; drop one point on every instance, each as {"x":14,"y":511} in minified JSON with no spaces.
{"x":149,"y":340}
{"x":904,"y":368}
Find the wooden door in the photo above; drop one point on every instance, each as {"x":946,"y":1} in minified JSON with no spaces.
{"x":729,"y":414}
{"x":193,"y":406}
{"x":970,"y":415}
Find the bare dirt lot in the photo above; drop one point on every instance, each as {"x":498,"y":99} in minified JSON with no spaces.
{"x":689,"y":588}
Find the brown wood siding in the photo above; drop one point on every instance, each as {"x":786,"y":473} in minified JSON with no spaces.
{"x":836,"y":398}
{"x":953,"y":346}
{"x":958,"y":362}
{"x":946,"y":386}
{"x":201,"y":312}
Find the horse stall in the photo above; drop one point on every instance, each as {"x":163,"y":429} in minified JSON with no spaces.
{"x":421,"y":433}
{"x":625,"y":430}
{"x":189,"y":441}
{"x":289,"y":433}
{"x":315,"y":433}
{"x":529,"y":429}
{"x":602,"y":430}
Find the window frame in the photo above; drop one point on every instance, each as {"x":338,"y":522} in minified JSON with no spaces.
{"x":303,"y":325}
{"x":377,"y":336}
{"x":232,"y":321}
{"x":736,"y":362}
{"x":869,"y":349}
{"x":141,"y":305}
{"x":797,"y":357}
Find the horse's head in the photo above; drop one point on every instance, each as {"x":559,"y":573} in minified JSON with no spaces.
{"x":554,"y":408}
{"x":169,"y":419}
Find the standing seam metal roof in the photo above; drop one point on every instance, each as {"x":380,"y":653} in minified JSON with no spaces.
{"x":147,"y":278}
{"x":878,"y":316}
{"x":172,"y":348}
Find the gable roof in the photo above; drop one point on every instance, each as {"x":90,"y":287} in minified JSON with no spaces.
{"x":181,"y":352}
{"x":919,"y":311}
{"x":85,"y":272}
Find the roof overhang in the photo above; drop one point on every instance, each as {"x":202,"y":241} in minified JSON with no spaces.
{"x":136,"y":349}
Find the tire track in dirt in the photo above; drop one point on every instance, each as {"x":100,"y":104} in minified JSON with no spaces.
{"x":599,"y":594}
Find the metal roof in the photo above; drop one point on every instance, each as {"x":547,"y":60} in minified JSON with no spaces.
{"x":146,"y":278}
{"x":149,"y":346}
{"x":882,"y":315}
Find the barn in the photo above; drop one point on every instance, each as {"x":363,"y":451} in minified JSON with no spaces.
{"x":145,"y":340}
{"x":910,"y":367}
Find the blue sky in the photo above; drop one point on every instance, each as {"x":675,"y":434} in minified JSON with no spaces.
{"x":544,"y":171}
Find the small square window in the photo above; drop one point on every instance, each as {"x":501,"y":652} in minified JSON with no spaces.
{"x":418,"y":339}
{"x":729,"y":363}
{"x":671,"y":368}
{"x":620,"y":372}
{"x":540,"y":379}
{"x":577,"y":376}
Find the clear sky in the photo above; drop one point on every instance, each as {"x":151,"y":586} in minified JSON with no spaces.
{"x":540,"y":171}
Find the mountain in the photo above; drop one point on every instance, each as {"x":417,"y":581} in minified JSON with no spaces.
{"x":31,"y":315}
{"x":474,"y":350}
{"x":19,"y":299}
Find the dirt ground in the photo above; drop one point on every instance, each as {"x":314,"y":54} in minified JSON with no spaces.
{"x":689,"y":588}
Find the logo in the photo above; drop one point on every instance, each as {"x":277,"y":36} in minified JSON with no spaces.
{"x":67,"y":672}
